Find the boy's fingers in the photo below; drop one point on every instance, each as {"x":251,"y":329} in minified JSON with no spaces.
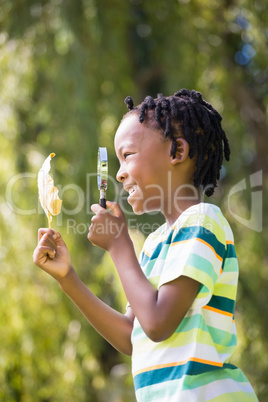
{"x":43,"y":231}
{"x":59,"y":240}
{"x":114,"y":206}
{"x":48,"y":240}
{"x":50,"y":235}
{"x":43,"y":251}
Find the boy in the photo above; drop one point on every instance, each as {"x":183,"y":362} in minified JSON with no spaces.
{"x":179,"y":325}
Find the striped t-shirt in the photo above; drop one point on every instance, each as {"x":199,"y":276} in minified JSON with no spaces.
{"x":193,"y":365}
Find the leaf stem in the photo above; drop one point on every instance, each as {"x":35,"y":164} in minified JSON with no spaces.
{"x":49,"y":220}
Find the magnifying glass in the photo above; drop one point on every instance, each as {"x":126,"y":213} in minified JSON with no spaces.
{"x":102,"y":174}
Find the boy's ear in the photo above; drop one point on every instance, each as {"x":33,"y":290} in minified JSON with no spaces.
{"x":182,"y":151}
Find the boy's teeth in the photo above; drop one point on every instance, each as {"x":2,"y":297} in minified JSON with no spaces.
{"x":131,"y":190}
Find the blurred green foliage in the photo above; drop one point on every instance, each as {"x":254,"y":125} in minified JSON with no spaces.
{"x":66,"y":67}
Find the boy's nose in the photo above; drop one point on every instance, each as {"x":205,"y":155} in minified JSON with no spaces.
{"x":121,"y":175}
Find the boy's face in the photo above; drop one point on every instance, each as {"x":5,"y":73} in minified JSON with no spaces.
{"x":144,"y":158}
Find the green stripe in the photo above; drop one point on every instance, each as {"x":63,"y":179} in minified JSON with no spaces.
{"x":149,"y":267}
{"x":236,"y":397}
{"x":230,"y":265}
{"x":188,"y":323}
{"x":200,"y":276}
{"x":157,"y":391}
{"x":221,"y":337}
{"x":202,"y":264}
{"x":208,"y":377}
{"x":188,"y":330}
{"x":174,"y":341}
{"x":225,"y":290}
{"x":154,"y":281}
{"x":194,"y":273}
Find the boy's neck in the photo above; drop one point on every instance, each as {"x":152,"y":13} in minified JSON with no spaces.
{"x":179,"y":205}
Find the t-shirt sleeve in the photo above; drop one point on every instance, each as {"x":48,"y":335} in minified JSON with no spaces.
{"x":197,"y":251}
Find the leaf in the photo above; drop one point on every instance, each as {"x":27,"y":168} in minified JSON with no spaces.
{"x":48,"y":193}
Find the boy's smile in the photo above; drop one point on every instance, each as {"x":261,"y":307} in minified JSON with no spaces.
{"x":144,"y":164}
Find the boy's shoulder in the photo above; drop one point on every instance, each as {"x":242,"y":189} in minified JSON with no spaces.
{"x":202,"y":208}
{"x":204,"y":217}
{"x":198,"y":213}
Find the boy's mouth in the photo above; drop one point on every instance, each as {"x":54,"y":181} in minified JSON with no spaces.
{"x":131,"y":190}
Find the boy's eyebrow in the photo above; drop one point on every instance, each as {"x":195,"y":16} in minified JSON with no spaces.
{"x":120,"y":149}
{"x":125,"y":145}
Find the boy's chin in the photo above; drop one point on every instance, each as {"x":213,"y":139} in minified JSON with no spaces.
{"x":139,"y":207}
{"x":137,"y":211}
{"x":141,"y":211}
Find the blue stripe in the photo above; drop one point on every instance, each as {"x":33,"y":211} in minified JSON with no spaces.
{"x":144,"y":259}
{"x":222,"y":303}
{"x":187,"y":233}
{"x":160,"y":246}
{"x":174,"y":373}
{"x":202,"y":233}
{"x":230,"y":251}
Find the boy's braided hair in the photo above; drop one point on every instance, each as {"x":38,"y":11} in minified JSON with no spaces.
{"x":187,"y":114}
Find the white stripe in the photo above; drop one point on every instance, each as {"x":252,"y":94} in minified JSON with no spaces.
{"x":228,"y":278}
{"x":228,"y":386}
{"x":185,"y":248}
{"x":202,"y":211}
{"x":229,"y":233}
{"x":217,"y":321}
{"x":157,"y":269}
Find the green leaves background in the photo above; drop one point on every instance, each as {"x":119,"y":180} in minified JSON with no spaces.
{"x":66,"y":68}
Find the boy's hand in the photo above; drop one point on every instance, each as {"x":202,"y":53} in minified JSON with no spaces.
{"x":108,"y":229}
{"x":51,"y":254}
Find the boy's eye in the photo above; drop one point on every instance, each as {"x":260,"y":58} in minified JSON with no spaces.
{"x":126,"y":154}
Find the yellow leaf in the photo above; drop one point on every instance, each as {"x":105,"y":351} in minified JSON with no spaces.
{"x":48,"y":193}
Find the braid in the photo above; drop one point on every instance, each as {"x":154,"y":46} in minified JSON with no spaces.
{"x":129,"y":102}
{"x":187,"y":114}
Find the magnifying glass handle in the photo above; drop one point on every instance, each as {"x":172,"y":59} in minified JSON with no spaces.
{"x":102,"y":198}
{"x":103,"y":203}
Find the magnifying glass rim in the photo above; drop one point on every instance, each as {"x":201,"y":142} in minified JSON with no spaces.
{"x":102,"y":157}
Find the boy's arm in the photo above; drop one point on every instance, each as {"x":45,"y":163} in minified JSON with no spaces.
{"x":158,"y":311}
{"x":52,"y":256}
{"x":113,"y":326}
